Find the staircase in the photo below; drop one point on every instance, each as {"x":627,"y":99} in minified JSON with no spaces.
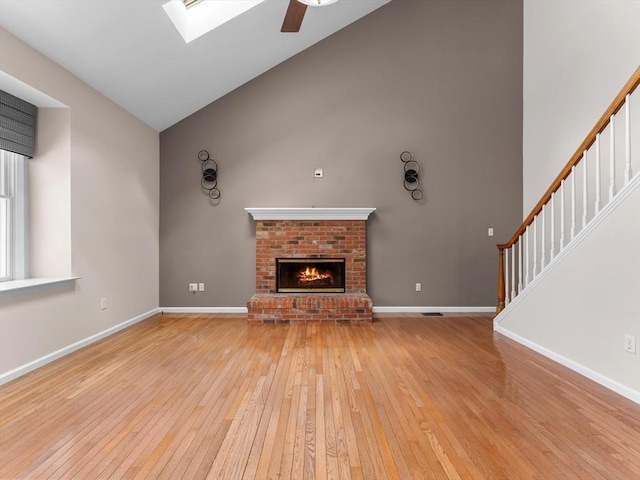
{"x":569,"y":278}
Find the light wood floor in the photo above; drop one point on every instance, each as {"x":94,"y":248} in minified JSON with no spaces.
{"x":194,"y":397}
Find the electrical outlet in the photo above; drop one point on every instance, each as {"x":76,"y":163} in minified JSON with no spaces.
{"x":418,"y":287}
{"x":103,"y":303}
{"x":630,"y":343}
{"x":201,"y":287}
{"x":490,"y":231}
{"x":193,"y":287}
{"x":318,"y":173}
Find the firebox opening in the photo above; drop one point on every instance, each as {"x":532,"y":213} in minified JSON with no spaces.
{"x":310,"y":275}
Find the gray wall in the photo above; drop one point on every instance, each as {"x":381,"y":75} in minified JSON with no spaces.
{"x":442,"y":79}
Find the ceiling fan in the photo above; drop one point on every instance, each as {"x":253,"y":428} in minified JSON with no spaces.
{"x":292,"y":19}
{"x":295,"y":13}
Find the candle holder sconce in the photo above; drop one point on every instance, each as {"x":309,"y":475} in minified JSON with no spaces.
{"x":209,"y":179}
{"x":411,"y":175}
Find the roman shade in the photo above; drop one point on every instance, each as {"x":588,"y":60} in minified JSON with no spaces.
{"x":17,"y":125}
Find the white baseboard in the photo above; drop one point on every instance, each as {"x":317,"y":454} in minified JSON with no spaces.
{"x":24,"y":369}
{"x":375,"y":309}
{"x":203,"y":309}
{"x":623,"y":390}
{"x":434,"y":309}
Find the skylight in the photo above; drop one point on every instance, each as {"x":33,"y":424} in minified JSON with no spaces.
{"x":205,"y":15}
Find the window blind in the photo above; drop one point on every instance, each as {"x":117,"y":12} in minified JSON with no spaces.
{"x":17,"y":125}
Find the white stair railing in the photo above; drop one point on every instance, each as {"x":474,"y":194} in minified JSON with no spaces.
{"x":533,"y":249}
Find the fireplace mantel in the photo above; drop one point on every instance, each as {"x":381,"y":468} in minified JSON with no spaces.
{"x":304,"y":213}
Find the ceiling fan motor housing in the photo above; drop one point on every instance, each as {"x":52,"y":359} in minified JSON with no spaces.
{"x":317,"y":3}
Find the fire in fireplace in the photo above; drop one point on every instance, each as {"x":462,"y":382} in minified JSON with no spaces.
{"x":315,"y":275}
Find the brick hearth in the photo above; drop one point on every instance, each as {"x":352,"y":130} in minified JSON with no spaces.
{"x":296,"y":307}
{"x":315,"y":238}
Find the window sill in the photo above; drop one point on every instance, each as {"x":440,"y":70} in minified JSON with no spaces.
{"x":32,"y":283}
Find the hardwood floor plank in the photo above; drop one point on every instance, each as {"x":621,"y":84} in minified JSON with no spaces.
{"x":276,"y":421}
{"x":320,"y":464}
{"x":310,"y":431}
{"x":186,"y":396}
{"x":343,"y":396}
{"x":234,"y":453}
{"x":383,"y":465}
{"x":331,"y":439}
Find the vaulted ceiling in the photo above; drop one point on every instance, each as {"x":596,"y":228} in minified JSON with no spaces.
{"x":130,"y":51}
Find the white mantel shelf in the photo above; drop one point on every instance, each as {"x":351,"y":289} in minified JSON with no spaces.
{"x":358,"y":213}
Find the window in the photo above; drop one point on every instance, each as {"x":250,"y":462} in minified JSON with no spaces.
{"x":13,"y":216}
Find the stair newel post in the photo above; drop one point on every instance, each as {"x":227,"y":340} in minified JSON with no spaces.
{"x":506,"y":278}
{"x":501,"y":293}
{"x":513,"y":272}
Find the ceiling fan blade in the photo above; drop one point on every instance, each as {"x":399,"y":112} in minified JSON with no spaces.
{"x":293,"y":17}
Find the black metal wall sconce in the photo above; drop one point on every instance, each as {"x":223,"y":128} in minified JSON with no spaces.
{"x":411,"y":175}
{"x":209,"y":179}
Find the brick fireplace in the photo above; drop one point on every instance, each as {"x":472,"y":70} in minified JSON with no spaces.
{"x":313,"y":233}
